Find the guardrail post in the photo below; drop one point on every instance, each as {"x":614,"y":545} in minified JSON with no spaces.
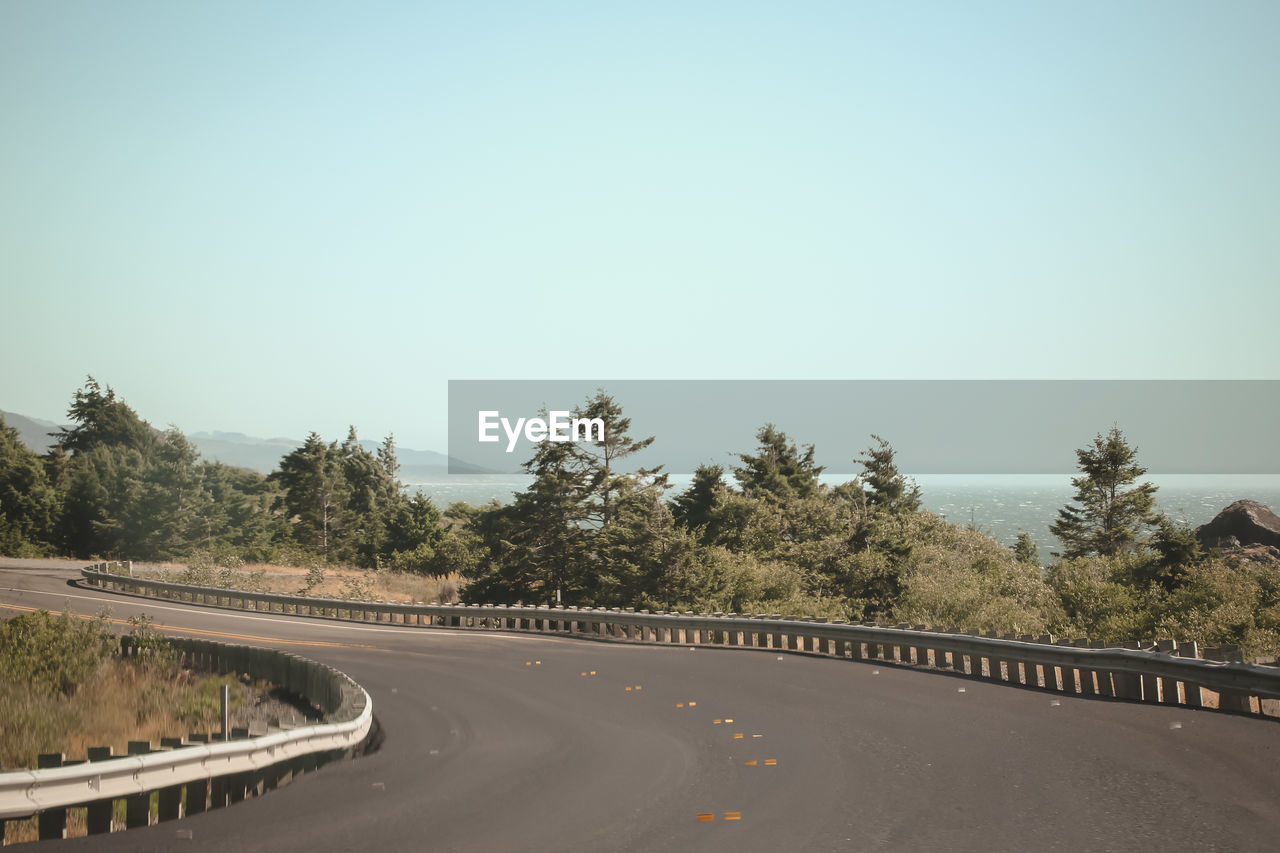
{"x":198,"y":790}
{"x":1085,"y":676}
{"x":1128,"y":685}
{"x":52,"y":823}
{"x":921,"y":650}
{"x":170,"y":802}
{"x":1150,"y":684}
{"x":902,"y":650}
{"x":98,"y":819}
{"x":1001,"y":664}
{"x":1106,"y":687}
{"x":975,"y":658}
{"x":1189,"y":688}
{"x":1229,"y":700}
{"x":137,"y":808}
{"x":1168,"y":686}
{"x":1048,"y":672}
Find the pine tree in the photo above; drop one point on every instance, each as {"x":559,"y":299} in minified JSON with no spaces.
{"x":1025,"y":550}
{"x":28,"y":503}
{"x":778,"y":470}
{"x":692,"y":508}
{"x":887,"y":488}
{"x":596,"y":462}
{"x":1111,"y":517}
{"x":315,"y":494}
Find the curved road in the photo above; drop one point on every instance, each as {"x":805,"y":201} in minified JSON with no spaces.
{"x":499,"y":742}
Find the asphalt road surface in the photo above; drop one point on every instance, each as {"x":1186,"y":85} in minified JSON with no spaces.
{"x":500,"y":742}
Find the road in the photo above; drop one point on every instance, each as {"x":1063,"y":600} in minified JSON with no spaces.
{"x":500,"y":742}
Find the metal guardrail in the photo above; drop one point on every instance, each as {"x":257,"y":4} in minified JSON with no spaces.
{"x":1163,"y":672}
{"x":212,"y":773}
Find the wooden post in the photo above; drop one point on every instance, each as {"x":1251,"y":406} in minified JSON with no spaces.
{"x":996,"y":664}
{"x":170,"y":806}
{"x":1013,"y":665}
{"x":1105,"y":687}
{"x":1086,"y":675}
{"x":1192,"y":690}
{"x":52,"y":823}
{"x":921,"y":652}
{"x":1229,"y":700}
{"x":975,"y":658}
{"x":1128,"y":685}
{"x":138,"y":807}
{"x":1150,"y":684}
{"x":1168,"y":686}
{"x":1048,"y":671}
{"x":98,"y":819}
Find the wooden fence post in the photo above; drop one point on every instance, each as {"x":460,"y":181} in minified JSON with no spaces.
{"x":138,"y":807}
{"x":52,"y":823}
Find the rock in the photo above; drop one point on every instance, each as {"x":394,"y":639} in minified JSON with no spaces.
{"x":1259,"y":553}
{"x":1246,"y":522}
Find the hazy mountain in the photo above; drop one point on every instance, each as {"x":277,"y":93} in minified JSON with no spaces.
{"x":259,"y":454}
{"x":34,"y":432}
{"x":263,"y":454}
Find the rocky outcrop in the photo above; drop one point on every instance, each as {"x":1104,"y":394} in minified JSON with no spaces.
{"x":1242,"y":525}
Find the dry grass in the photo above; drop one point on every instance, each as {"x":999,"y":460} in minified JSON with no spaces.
{"x":339,"y":582}
{"x":123,"y":701}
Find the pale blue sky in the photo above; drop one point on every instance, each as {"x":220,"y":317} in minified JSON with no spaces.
{"x":279,"y":217}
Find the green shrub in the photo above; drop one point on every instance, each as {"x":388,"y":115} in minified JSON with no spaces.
{"x":52,"y":654}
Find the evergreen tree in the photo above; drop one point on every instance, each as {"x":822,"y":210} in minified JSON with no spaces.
{"x":887,"y":489}
{"x":28,"y":503}
{"x":778,"y":470}
{"x":314,"y":494}
{"x":1025,"y":550}
{"x":101,"y":419}
{"x":692,"y":508}
{"x":1111,"y":517}
{"x":165,"y":516}
{"x":596,"y":461}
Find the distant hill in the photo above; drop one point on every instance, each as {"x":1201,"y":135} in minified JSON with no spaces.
{"x":34,"y":432}
{"x":259,"y":454}
{"x":263,"y":454}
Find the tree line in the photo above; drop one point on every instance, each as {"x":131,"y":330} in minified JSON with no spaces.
{"x":765,"y":535}
{"x":113,"y":486}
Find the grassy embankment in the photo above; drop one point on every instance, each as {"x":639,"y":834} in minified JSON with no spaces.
{"x":65,"y":688}
{"x":328,"y":582}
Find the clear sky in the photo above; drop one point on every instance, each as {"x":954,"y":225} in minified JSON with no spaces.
{"x":275,"y":217}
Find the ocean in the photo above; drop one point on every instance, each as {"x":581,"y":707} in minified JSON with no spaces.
{"x":1002,"y":505}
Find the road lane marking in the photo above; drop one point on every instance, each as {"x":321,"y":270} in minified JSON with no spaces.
{"x":737,"y":735}
{"x":751,"y":763}
{"x":733,"y":815}
{"x":771,"y":762}
{"x":706,"y":818}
